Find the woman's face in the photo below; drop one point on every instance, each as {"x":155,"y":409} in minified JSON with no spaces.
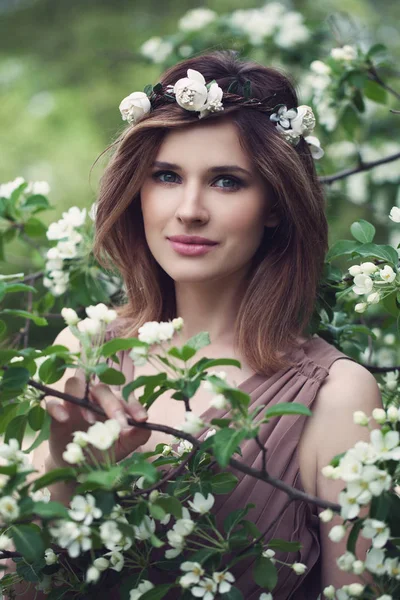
{"x":203,"y":184}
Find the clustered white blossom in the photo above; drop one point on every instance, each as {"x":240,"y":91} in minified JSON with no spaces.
{"x":99,"y":435}
{"x":69,"y":239}
{"x":97,"y":316}
{"x":297,"y":122}
{"x":362,"y":468}
{"x":372,"y":282}
{"x":32,"y":189}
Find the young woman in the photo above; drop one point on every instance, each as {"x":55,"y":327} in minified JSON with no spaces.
{"x":220,"y":220}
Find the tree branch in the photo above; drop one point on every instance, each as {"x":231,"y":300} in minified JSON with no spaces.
{"x":328,"y":179}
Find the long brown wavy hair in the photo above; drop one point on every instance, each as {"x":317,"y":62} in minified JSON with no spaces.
{"x":280,"y":297}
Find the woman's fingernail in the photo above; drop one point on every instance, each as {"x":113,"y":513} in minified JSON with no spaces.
{"x":60,"y":414}
{"x":89,"y":416}
{"x":121,"y":418}
{"x":141,"y":413}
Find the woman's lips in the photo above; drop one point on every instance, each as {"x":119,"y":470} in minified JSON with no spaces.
{"x":191,"y":249}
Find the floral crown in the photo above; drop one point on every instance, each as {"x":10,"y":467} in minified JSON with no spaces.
{"x":194,"y":94}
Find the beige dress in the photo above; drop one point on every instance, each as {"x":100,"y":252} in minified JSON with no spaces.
{"x":299,"y":521}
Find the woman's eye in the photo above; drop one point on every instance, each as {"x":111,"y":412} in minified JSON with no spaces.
{"x":229,"y":183}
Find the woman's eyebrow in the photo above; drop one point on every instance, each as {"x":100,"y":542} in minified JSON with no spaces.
{"x":219,"y":169}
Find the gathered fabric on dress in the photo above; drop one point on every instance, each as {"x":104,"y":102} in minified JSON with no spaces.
{"x":295,"y":521}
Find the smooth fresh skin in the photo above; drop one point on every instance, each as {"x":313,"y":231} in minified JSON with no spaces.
{"x":231,"y":208}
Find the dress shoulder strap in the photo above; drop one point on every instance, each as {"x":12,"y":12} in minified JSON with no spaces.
{"x":322,"y":353}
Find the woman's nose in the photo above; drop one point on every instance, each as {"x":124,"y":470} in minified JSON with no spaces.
{"x":191,"y":207}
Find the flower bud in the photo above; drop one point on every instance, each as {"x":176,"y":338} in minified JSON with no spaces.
{"x":299,"y":568}
{"x":329,"y":592}
{"x":360,"y":418}
{"x":361,"y":307}
{"x":326,"y":515}
{"x":373,"y":298}
{"x":328,"y":471}
{"x":358,"y":567}
{"x":101,"y":563}
{"x":368,"y":268}
{"x":355,"y":270}
{"x":69,"y":316}
{"x":154,"y":495}
{"x":379,"y":415}
{"x":177,"y":323}
{"x":356,"y":589}
{"x":50,"y":557}
{"x":92,"y":575}
{"x":337,"y":533}
{"x":392,"y":414}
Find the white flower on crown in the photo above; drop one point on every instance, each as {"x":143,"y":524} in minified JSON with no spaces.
{"x":315,"y":146}
{"x":296,"y":122}
{"x":214,"y":103}
{"x":134,"y":106}
{"x":191,"y":92}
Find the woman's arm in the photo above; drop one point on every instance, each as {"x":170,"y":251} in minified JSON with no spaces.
{"x":331,"y":431}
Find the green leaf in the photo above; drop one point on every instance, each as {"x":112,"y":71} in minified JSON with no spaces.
{"x":16,"y":429}
{"x":234,"y":518}
{"x":170,"y":505}
{"x":199,"y":341}
{"x":19,"y":287}
{"x":220,"y":362}
{"x":115,"y":345}
{"x":105,"y":480}
{"x":40,"y":321}
{"x":112,"y":376}
{"x":50,"y":510}
{"x":52,"y":369}
{"x":375,"y":92}
{"x":158,"y":592}
{"x":387,"y":253}
{"x":144,"y":469}
{"x":284,"y":545}
{"x":350,"y":121}
{"x":37,"y":202}
{"x":377,"y":49}
{"x":225,"y":443}
{"x":353,"y":536}
{"x":44,"y":433}
{"x":185,"y":353}
{"x":3,"y":328}
{"x":149,"y":381}
{"x":264,"y":573}
{"x":363,"y":231}
{"x":233,"y":594}
{"x":64,"y":474}
{"x":28,"y":541}
{"x":58,"y":593}
{"x":35,"y":228}
{"x":15,"y":378}
{"x":287,"y":408}
{"x":156,"y":511}
{"x":36,"y":417}
{"x":223,"y":483}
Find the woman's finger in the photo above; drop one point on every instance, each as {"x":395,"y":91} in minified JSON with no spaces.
{"x":110,"y":403}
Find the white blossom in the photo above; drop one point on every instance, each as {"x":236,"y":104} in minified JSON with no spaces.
{"x":376,"y":530}
{"x":392,"y":568}
{"x":73,"y":454}
{"x":6,"y":189}
{"x":345,"y":561}
{"x":194,"y":571}
{"x":362,"y":284}
{"x":74,"y":217}
{"x":116,"y":560}
{"x":92,"y":575}
{"x":193,"y":423}
{"x":219,"y":402}
{"x":361,"y":307}
{"x":80,"y":438}
{"x":386,"y":445}
{"x":206,"y":589}
{"x":100,"y":312}
{"x":90,"y":326}
{"x":346,"y":53}
{"x":146,"y":528}
{"x":156,"y":49}
{"x":356,"y":589}
{"x":41,"y":188}
{"x":326,"y":515}
{"x":143,"y":587}
{"x":329,"y":592}
{"x":67,"y":249}
{"x":292,"y":30}
{"x":375,"y":561}
{"x":196,"y":19}
{"x":387,"y":274}
{"x":9,"y":508}
{"x":337,"y":533}
{"x":299,"y":568}
{"x":72,"y":536}
{"x":379,"y":414}
{"x":200,"y":504}
{"x":6,"y":543}
{"x":69,"y":316}
{"x":154,"y":332}
{"x":83,"y":508}
{"x":58,"y":230}
{"x":191,"y":92}
{"x":395,"y":214}
{"x":224,"y":579}
{"x":358,"y":567}
{"x":391,"y":380}
{"x":110,"y":535}
{"x":368,"y":268}
{"x":360,"y":418}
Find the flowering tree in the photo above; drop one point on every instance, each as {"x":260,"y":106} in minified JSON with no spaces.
{"x":125,"y":512}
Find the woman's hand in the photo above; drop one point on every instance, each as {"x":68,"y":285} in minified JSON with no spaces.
{"x":68,"y":417}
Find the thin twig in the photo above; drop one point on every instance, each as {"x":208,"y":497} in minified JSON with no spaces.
{"x":327,"y":179}
{"x":264,"y":454}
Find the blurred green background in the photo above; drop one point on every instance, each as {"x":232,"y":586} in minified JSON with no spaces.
{"x":66,"y":65}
